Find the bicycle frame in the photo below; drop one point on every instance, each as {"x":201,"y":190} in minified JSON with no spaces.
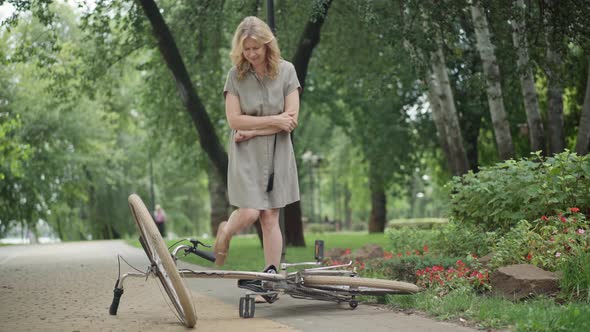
{"x":290,"y":283}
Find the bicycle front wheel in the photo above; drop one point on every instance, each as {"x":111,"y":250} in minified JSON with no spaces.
{"x":360,"y":286}
{"x":160,"y":257}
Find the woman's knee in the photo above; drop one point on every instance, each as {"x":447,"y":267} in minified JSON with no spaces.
{"x":269,"y":218}
{"x":248,"y":214}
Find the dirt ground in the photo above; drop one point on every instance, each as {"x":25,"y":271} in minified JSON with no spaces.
{"x":69,"y":287}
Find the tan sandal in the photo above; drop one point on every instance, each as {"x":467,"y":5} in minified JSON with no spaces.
{"x":221,"y":244}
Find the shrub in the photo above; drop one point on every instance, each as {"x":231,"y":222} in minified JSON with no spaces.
{"x":497,"y":197}
{"x":409,"y":239}
{"x":418,"y":223}
{"x":545,"y":242}
{"x":461,"y":239}
{"x":404,"y":267}
{"x":461,"y":276}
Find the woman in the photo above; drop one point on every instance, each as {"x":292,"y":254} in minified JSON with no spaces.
{"x":261,"y":104}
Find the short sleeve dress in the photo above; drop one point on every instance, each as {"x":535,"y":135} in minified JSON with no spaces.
{"x":250,"y":162}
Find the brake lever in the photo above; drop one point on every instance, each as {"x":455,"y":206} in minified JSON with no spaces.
{"x":197,"y":242}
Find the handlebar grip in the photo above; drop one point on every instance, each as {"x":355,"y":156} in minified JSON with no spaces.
{"x":116,"y":298}
{"x":205,"y":254}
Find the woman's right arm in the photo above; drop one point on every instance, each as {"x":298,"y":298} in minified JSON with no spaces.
{"x":239,"y":121}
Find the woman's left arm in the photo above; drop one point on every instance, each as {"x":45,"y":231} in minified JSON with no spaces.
{"x":292,"y":104}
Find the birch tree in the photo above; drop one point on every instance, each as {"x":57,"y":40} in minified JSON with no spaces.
{"x":492,"y":75}
{"x":449,"y":116}
{"x":440,"y":95}
{"x":527,"y":81}
{"x":554,"y":100}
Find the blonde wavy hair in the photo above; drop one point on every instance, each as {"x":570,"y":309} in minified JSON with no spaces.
{"x":255,"y":28}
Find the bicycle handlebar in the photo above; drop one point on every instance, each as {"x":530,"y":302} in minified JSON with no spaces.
{"x":204,"y":254}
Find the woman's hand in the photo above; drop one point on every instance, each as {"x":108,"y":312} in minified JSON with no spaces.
{"x":243,"y":135}
{"x":286,"y":121}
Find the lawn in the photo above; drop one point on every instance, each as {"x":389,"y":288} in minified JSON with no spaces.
{"x":246,"y":254}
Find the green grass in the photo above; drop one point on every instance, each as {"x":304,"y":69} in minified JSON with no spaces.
{"x":246,"y":254}
{"x":540,"y":314}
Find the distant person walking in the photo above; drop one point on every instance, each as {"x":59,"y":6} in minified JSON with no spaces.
{"x":160,"y":219}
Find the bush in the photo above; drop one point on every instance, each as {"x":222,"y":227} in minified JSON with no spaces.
{"x":461,"y":276}
{"x":405,"y":267}
{"x":419,"y":223}
{"x":498,"y":197}
{"x":545,"y":242}
{"x":320,"y":228}
{"x":409,"y":239}
{"x":460,"y":239}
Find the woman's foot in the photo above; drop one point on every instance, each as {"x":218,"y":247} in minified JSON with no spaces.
{"x":221,"y":244}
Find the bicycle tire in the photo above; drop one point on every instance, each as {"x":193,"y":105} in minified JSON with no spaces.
{"x":160,"y":257}
{"x":357,"y":285}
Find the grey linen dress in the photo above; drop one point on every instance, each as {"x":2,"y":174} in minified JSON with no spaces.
{"x":250,"y":162}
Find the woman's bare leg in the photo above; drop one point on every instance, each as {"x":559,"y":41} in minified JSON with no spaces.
{"x":271,"y":237}
{"x":240,"y":219}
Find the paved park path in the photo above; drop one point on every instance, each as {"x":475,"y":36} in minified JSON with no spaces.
{"x":69,"y":287}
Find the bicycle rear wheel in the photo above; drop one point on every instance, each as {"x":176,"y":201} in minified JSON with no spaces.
{"x":160,"y":257}
{"x":359,"y":286}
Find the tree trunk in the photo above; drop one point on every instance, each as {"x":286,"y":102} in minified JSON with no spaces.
{"x":449,"y":113}
{"x":456,"y":160}
{"x":190,"y":99}
{"x":555,"y":104}
{"x":308,"y":41}
{"x":347,"y":208}
{"x":438,"y":119}
{"x":583,"y":141}
{"x":378,"y":204}
{"x":554,"y":88}
{"x":218,"y":199}
{"x":493,"y":87}
{"x":527,"y":81}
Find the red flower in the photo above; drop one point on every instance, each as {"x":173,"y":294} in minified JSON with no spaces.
{"x":408,"y":253}
{"x":425,"y":249}
{"x":388,"y":255}
{"x":399,"y":254}
{"x":529,"y":256}
{"x":562,"y":218}
{"x":544,"y":218}
{"x":347,"y":252}
{"x":574,"y":210}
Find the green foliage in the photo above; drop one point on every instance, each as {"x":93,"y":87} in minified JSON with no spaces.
{"x":497,"y":197}
{"x":410,"y":239}
{"x":455,"y":239}
{"x":545,"y":242}
{"x":404,"y":267}
{"x":463,"y":276}
{"x":575,"y":279}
